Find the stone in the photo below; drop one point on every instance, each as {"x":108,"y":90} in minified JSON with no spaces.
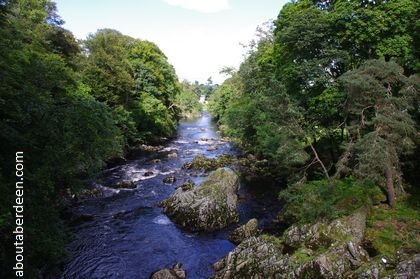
{"x":179,"y":271}
{"x":409,"y":268}
{"x":172,"y":155}
{"x":200,"y":162}
{"x":85,"y":194}
{"x":163,"y":274}
{"x":148,"y":173}
{"x":127,"y":184}
{"x":187,"y":185}
{"x":176,"y":272}
{"x":321,"y":250}
{"x":169,"y":179}
{"x":212,"y":148}
{"x":245,"y":231}
{"x":209,"y":207}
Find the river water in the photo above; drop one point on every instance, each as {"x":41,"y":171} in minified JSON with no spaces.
{"x":128,"y":235}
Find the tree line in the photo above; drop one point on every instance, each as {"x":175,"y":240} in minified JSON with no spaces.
{"x":330,"y":92}
{"x":71,"y":106}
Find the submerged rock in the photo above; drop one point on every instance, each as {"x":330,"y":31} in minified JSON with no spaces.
{"x":245,"y":231}
{"x":127,"y":184}
{"x":209,"y":207}
{"x":176,"y":272}
{"x":148,"y":173}
{"x":321,"y":250}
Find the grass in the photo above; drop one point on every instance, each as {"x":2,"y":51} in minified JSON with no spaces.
{"x":309,"y":202}
{"x":394,"y":229}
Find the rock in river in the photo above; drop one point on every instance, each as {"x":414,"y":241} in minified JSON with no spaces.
{"x":169,"y":179}
{"x":176,"y":272}
{"x":209,"y":207}
{"x":244,"y":231}
{"x":127,"y":184}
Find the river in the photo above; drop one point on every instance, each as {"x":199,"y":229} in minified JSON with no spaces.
{"x":129,"y":236}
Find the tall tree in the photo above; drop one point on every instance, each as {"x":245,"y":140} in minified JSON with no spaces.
{"x":379,"y":100}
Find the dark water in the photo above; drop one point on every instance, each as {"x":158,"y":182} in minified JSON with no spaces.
{"x":130,"y":237}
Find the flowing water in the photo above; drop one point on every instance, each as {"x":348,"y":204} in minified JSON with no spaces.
{"x":128,"y":235}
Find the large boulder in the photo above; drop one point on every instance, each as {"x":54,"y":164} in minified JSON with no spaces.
{"x":208,"y":207}
{"x":256,"y":257}
{"x":320,"y":250}
{"x":244,"y":232}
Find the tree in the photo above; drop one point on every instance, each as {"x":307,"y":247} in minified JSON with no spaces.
{"x":378,"y":29}
{"x":379,"y":99}
{"x":107,"y":70}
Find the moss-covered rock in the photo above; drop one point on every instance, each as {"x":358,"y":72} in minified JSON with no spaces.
{"x":209,"y":207}
{"x":321,"y":250}
{"x":245,"y":231}
{"x":200,"y":162}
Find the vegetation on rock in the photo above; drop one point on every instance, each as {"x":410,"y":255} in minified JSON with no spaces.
{"x":209,"y":207}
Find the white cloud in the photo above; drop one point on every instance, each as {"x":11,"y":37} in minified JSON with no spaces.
{"x":204,"y":6}
{"x":200,"y":51}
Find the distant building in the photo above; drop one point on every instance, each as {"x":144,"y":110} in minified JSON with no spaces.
{"x":203,"y":99}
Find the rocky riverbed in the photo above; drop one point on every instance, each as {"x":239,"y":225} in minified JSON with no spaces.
{"x":121,"y":232}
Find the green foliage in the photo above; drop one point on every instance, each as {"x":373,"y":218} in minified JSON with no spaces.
{"x":70,"y":112}
{"x":393,"y":230}
{"x":188,"y":102}
{"x":293,"y":95}
{"x":308,"y":202}
{"x":255,"y":110}
{"x":153,"y":117}
{"x":107,"y":69}
{"x":135,"y":79}
{"x":385,"y":30}
{"x":378,"y":102}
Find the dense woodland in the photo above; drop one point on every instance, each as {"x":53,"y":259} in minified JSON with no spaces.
{"x":71,"y":106}
{"x":329,"y":93}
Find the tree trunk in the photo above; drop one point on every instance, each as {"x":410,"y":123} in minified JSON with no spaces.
{"x":390,"y":184}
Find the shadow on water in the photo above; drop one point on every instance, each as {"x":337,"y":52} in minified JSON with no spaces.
{"x":128,"y":236}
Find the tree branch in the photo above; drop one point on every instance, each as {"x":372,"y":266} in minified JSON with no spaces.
{"x":319,"y":161}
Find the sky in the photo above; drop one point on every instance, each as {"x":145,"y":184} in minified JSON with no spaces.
{"x":199,"y":37}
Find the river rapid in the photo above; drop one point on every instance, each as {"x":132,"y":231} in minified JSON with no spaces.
{"x":128,"y":235}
